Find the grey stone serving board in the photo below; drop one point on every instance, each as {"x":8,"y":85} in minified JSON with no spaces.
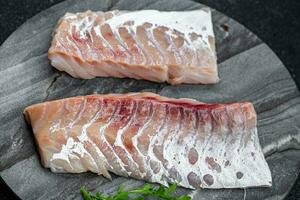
{"x":249,"y":71}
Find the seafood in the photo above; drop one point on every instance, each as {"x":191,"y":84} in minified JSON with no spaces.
{"x":153,"y":138}
{"x":175,"y":47}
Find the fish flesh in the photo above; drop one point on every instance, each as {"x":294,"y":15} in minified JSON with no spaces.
{"x":175,"y":47}
{"x":152,"y":138}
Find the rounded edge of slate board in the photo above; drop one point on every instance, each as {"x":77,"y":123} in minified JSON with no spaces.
{"x":269,"y":86}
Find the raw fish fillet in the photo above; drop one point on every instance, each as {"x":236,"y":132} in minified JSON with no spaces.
{"x":153,"y":138}
{"x":174,"y":47}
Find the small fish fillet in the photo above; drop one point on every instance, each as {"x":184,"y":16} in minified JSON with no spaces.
{"x":153,"y":138}
{"x":175,"y":47}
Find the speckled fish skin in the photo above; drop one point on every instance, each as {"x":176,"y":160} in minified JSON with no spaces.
{"x":153,"y":138}
{"x":153,"y":45}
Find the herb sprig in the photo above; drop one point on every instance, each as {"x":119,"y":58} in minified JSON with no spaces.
{"x":148,"y":190}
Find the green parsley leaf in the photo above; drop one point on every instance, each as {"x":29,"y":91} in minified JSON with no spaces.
{"x":148,"y":190}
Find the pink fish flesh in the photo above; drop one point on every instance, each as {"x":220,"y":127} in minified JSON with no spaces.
{"x":175,"y":47}
{"x":153,"y":138}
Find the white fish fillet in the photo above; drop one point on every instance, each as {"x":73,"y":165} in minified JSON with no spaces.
{"x":153,"y":138}
{"x":175,"y":47}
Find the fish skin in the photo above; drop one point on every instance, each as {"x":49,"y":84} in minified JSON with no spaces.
{"x":152,"y":45}
{"x":150,"y":137}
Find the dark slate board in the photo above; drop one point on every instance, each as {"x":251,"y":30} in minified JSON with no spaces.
{"x":249,"y":70}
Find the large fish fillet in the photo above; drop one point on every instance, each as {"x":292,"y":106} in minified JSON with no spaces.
{"x":154,"y":138}
{"x":174,"y":47}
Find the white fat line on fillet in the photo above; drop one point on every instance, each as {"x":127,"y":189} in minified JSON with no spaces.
{"x":196,"y":132}
{"x":190,"y":141}
{"x":70,"y":147}
{"x":80,"y":152}
{"x":90,"y":49}
{"x":57,"y":125}
{"x":96,"y":49}
{"x":133,"y":110}
{"x":74,"y":44}
{"x":97,"y":30}
{"x":103,"y":167}
{"x":133,"y":34}
{"x":207,"y":143}
{"x":78,"y":114}
{"x":76,"y":23}
{"x":139,"y":133}
{"x":162,"y":171}
{"x":103,"y":163}
{"x":234,"y":132}
{"x":101,"y":133}
{"x":91,"y":23}
{"x":151,"y":39}
{"x":181,"y":150}
{"x":90,"y":33}
{"x":218,"y":145}
{"x":170,"y":138}
{"x":63,"y":155}
{"x":84,"y":137}
{"x":59,"y":37}
{"x":71,"y":42}
{"x":201,"y":143}
{"x":146,"y":125}
{"x":227,"y":134}
{"x":118,"y":141}
{"x":187,"y":43}
{"x":228,"y":173}
{"x":191,"y":49}
{"x":154,"y":139}
{"x":181,"y":53}
{"x":122,"y":44}
{"x":172,"y":48}
{"x":87,"y":26}
{"x":195,"y":59}
{"x":207,"y":139}
{"x":197,"y":142}
{"x":87,"y":30}
{"x":230,"y":130}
